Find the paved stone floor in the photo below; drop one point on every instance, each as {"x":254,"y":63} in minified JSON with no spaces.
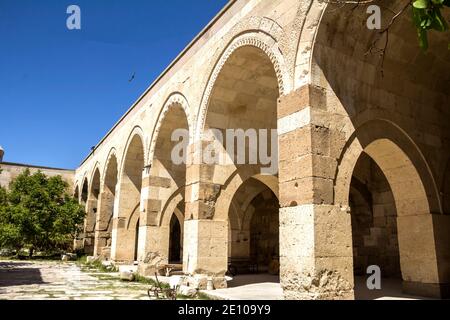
{"x":391,"y":289}
{"x":69,"y":281}
{"x":63,"y":281}
{"x":250,"y":287}
{"x":267,"y":287}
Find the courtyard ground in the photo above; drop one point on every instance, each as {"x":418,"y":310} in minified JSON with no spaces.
{"x":267,"y":287}
{"x":53,"y":280}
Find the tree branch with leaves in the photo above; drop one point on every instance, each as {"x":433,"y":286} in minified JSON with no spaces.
{"x":427,"y":15}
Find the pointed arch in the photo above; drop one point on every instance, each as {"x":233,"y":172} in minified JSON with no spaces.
{"x":174,"y":99}
{"x":261,"y":40}
{"x":129,"y":196}
{"x":136,"y":132}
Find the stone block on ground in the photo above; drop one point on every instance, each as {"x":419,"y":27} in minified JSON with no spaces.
{"x":187,"y":291}
{"x":72,"y":256}
{"x":126,"y":276}
{"x":175,"y":281}
{"x":90,"y":259}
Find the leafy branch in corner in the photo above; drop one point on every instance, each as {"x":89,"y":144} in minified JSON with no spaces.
{"x":426,"y":16}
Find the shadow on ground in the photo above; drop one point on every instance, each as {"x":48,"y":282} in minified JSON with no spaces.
{"x":390,"y":289}
{"x":19,"y":273}
{"x":246,"y":279}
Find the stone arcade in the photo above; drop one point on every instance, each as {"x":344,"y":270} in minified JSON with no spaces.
{"x":364,"y":169}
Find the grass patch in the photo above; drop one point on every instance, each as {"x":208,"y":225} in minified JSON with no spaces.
{"x":141,"y":279}
{"x":99,"y":266}
{"x":202,"y":296}
{"x":82,"y":259}
{"x":199,"y":296}
{"x":107,"y":277}
{"x":6,"y":258}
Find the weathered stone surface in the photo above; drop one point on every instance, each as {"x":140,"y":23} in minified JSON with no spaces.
{"x":187,"y":291}
{"x":63,"y":281}
{"x":300,"y":68}
{"x":127,"y":275}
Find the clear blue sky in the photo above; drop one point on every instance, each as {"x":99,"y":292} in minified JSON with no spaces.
{"x":62,"y":90}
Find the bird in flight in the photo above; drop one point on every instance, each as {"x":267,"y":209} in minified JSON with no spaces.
{"x":132,"y":77}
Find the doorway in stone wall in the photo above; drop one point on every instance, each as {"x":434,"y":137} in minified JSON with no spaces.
{"x":136,"y":241}
{"x":264,"y":233}
{"x":175,"y":241}
{"x":253,"y":235}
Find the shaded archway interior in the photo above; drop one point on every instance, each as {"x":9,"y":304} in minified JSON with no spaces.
{"x":391,"y":219}
{"x":245,"y":95}
{"x":163,"y":164}
{"x":374,"y":223}
{"x":253,"y":240}
{"x":76,"y":194}
{"x":106,"y":211}
{"x":411,"y":92}
{"x":446,"y":190}
{"x":91,"y":213}
{"x":168,"y":173}
{"x":175,"y":241}
{"x":84,"y":192}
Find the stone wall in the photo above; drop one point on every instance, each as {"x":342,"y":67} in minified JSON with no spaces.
{"x":300,"y":68}
{"x":11,"y":170}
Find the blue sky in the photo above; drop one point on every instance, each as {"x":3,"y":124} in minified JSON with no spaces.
{"x":61,"y":90}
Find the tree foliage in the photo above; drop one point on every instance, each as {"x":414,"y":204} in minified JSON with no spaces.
{"x":427,"y":15}
{"x":36,"y":212}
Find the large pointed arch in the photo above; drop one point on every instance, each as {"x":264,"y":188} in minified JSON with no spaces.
{"x":175,"y":100}
{"x":129,"y":197}
{"x":165,"y":177}
{"x":261,"y":40}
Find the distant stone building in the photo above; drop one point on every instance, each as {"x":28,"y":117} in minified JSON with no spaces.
{"x":2,"y":153}
{"x":9,"y":171}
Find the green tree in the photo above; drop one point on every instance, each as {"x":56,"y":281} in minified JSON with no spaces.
{"x":427,"y":15}
{"x":37,"y":213}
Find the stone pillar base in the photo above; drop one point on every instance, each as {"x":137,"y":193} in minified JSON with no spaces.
{"x":430,"y":290}
{"x":316,"y":260}
{"x":200,"y":282}
{"x":337,"y":295}
{"x":78,"y":244}
{"x":152,"y":263}
{"x":205,"y":247}
{"x":148,"y":270}
{"x":105,"y":253}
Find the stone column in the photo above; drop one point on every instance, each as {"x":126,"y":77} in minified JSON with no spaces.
{"x":153,"y":244}
{"x":104,"y":219}
{"x":119,"y":251}
{"x":205,"y":251}
{"x":89,"y":226}
{"x":316,"y":258}
{"x":424,"y":247}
